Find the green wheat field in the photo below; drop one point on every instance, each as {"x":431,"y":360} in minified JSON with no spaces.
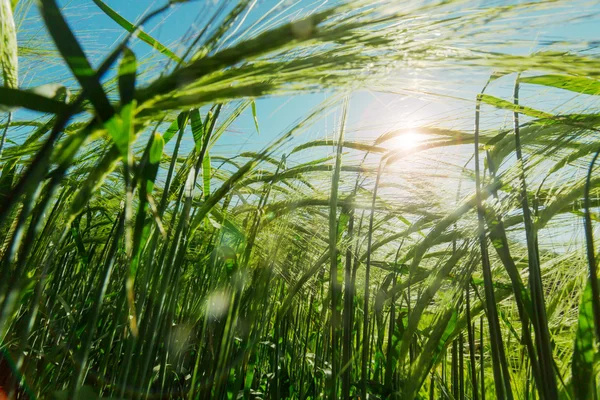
{"x":170,"y":230}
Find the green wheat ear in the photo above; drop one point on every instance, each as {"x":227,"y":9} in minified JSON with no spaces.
{"x":9,"y":60}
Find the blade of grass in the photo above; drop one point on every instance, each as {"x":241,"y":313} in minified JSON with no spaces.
{"x":578,"y":84}
{"x":591,"y":255}
{"x":540,"y":319}
{"x":137,"y":31}
{"x":582,"y":365}
{"x":12,"y":98}
{"x":335,"y":286}
{"x":365,"y":341}
{"x":471,"y":340}
{"x":75,"y":58}
{"x":502,"y":381}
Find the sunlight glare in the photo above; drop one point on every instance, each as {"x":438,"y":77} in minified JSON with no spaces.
{"x":407,"y":140}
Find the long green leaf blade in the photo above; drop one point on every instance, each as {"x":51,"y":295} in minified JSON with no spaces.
{"x":507,"y":105}
{"x":75,"y":58}
{"x":15,"y":98}
{"x":576,"y":84}
{"x":582,"y":366}
{"x":197,"y":129}
{"x":129,"y":27}
{"x":206,"y":174}
{"x":127,"y":71}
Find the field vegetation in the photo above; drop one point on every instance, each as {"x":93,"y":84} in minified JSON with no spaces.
{"x":455,"y":259}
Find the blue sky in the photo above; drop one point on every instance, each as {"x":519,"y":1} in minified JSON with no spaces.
{"x":97,"y":33}
{"x":371,"y":113}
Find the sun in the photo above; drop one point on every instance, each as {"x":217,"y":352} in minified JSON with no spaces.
{"x":407,"y":140}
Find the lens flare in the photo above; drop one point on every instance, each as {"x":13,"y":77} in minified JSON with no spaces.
{"x":407,"y":141}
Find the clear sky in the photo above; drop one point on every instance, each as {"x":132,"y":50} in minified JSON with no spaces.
{"x":97,"y":33}
{"x":371,"y":114}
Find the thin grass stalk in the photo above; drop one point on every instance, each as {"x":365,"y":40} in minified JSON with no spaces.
{"x":306,"y":343}
{"x":335,"y":287}
{"x":278,"y":338}
{"x":356,"y":320}
{"x":182,"y":122}
{"x":391,"y":352}
{"x":409,"y":342}
{"x":372,"y":345}
{"x":461,"y":366}
{"x":4,"y":132}
{"x":86,"y":343}
{"x":444,"y":368}
{"x":542,"y":337}
{"x":481,"y":358}
{"x":498,"y":236}
{"x":365,"y":339}
{"x":503,"y":389}
{"x":454,"y":369}
{"x":589,"y":242}
{"x":348,"y":311}
{"x":471,"y":340}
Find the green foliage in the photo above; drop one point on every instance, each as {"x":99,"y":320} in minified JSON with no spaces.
{"x":140,"y":258}
{"x":576,"y":84}
{"x":584,"y":350}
